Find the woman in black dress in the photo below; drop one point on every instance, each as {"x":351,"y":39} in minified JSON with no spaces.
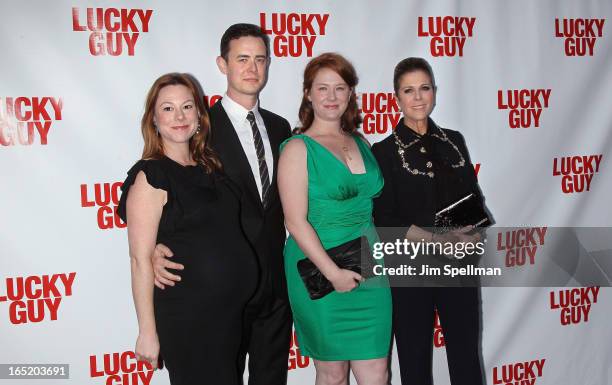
{"x":426,"y":168}
{"x":177,"y":195}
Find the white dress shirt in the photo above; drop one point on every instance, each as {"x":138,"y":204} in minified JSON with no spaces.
{"x":238,"y":117}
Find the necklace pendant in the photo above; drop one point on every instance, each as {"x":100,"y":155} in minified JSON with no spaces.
{"x":422,"y":149}
{"x":346,"y":152}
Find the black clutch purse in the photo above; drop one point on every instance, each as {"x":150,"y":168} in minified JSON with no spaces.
{"x":467,"y":211}
{"x":345,"y":256}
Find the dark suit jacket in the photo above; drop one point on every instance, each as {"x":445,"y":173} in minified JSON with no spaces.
{"x":265,"y":228}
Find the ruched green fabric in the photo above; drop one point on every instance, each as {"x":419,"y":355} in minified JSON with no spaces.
{"x":341,"y":326}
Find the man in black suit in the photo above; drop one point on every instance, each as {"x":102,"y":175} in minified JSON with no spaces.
{"x":247,"y":138}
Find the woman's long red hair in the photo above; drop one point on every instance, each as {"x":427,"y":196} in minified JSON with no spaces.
{"x":199,"y":147}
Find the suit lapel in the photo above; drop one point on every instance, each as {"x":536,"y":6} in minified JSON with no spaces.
{"x":225,"y":142}
{"x":275,"y":141}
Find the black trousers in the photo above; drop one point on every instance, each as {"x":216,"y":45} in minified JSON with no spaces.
{"x":266,"y":339}
{"x":413,"y":321}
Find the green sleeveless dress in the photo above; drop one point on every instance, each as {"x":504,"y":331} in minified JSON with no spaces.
{"x":355,"y":325}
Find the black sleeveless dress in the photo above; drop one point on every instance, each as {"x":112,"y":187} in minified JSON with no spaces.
{"x":199,"y":320}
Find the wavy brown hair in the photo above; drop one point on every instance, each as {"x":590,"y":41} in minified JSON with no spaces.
{"x":351,"y":119}
{"x":199,"y":146}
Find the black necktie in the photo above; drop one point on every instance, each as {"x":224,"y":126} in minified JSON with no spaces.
{"x":261,"y":158}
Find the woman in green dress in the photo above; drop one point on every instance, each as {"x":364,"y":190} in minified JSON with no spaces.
{"x":327,"y":178}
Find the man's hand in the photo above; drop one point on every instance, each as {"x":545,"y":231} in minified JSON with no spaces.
{"x":160,"y":262}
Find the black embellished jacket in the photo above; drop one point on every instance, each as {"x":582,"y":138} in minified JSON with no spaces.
{"x":438,"y":174}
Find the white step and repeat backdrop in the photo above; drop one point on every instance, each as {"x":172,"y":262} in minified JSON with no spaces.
{"x":527,"y":83}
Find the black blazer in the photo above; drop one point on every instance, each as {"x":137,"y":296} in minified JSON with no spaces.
{"x":265,"y":228}
{"x":408,"y":199}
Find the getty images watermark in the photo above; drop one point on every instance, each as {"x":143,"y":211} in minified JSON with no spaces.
{"x":410,"y":250}
{"x":520,"y":256}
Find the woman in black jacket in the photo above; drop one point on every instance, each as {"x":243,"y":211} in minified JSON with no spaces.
{"x":426,"y":168}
